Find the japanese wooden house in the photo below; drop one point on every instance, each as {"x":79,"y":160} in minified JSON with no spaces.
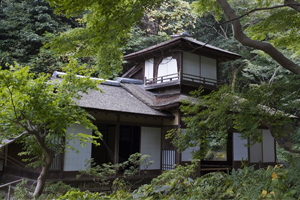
{"x":135,"y":112}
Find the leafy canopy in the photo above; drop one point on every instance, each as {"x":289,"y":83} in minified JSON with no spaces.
{"x":106,"y":28}
{"x":22,"y":28}
{"x":39,"y":108}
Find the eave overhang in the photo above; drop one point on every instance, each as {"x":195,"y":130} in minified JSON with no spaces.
{"x":182,"y":44}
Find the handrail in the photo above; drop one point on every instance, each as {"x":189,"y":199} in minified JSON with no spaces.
{"x":12,"y":160}
{"x":182,"y":77}
{"x":7,"y":184}
{"x":161,"y":76}
{"x":201,"y":79}
{"x":161,"y":79}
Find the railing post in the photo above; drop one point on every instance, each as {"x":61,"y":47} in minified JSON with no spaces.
{"x":161,"y":79}
{"x":145,"y":80}
{"x":8,"y":193}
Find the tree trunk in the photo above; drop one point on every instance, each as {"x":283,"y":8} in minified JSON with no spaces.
{"x":49,"y":155}
{"x":43,"y":175}
{"x":284,"y":143}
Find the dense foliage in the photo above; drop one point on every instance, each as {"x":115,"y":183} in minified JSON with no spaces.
{"x":22,"y":28}
{"x":279,"y":182}
{"x":103,"y":174}
{"x":51,"y":190}
{"x":40,"y":111}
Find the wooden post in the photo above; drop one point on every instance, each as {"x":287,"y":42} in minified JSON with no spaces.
{"x":5,"y":158}
{"x":117,"y":142}
{"x":8,"y":193}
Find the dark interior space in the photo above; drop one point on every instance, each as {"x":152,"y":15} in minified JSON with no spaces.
{"x":105,"y":152}
{"x":129,"y":141}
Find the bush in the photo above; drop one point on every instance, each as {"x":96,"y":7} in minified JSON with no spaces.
{"x":104,"y":174}
{"x":279,"y":182}
{"x":80,"y":195}
{"x":51,"y":190}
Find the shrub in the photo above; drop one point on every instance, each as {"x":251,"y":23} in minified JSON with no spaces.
{"x":51,"y":190}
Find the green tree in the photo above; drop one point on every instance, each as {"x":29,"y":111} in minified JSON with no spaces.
{"x":22,"y":28}
{"x":276,"y":20}
{"x":107,"y":25}
{"x":41,"y":111}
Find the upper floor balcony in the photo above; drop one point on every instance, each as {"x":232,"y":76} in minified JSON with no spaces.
{"x":181,"y":79}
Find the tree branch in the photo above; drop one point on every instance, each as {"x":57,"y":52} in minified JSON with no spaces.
{"x":288,"y":146}
{"x":292,"y":4}
{"x":246,"y":41}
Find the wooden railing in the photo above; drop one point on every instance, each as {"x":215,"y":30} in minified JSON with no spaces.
{"x":9,"y":187}
{"x":183,"y":77}
{"x":200,"y":79}
{"x":162,"y":79}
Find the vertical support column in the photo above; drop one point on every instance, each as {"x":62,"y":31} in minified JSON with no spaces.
{"x":117,"y":143}
{"x":61,"y":171}
{"x":117,"y":140}
{"x":180,"y":76}
{"x":178,"y":154}
{"x":5,"y":157}
{"x":62,"y":160}
{"x":8,"y":193}
{"x":262,"y":154}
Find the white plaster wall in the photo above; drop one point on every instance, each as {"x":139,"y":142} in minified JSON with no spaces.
{"x":186,"y":154}
{"x":268,"y":146}
{"x":191,"y":64}
{"x":151,"y":145}
{"x":166,"y":67}
{"x":208,"y":67}
{"x":149,"y":68}
{"x":74,"y":161}
{"x":240,"y":151}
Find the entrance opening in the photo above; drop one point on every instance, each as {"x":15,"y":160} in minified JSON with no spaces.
{"x":219,"y":157}
{"x":106,"y":151}
{"x":129,"y":142}
{"x":218,"y":150}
